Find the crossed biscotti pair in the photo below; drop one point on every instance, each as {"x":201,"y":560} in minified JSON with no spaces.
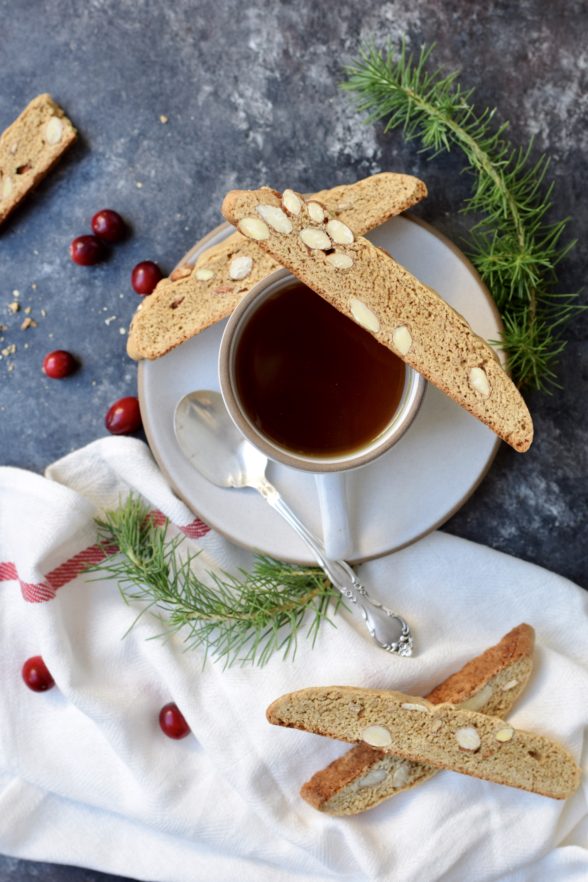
{"x":319,"y":239}
{"x":197,"y":296}
{"x":403,"y":740}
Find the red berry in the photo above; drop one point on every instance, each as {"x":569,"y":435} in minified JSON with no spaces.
{"x":59,"y":364}
{"x":172,"y":722}
{"x":145,"y":277}
{"x":86,"y":250}
{"x":36,"y":675}
{"x":109,"y":225}
{"x":123,"y":417}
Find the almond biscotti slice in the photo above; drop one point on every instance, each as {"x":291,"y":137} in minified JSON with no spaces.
{"x":364,"y":777}
{"x":370,"y":287}
{"x":29,"y":148}
{"x":195,"y":297}
{"x":438,"y":735}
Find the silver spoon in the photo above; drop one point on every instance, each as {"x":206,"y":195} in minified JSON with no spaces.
{"x":217,"y":449}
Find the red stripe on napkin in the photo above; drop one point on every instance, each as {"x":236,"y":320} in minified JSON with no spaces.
{"x":39,"y":592}
{"x":196,"y":529}
{"x":7,"y":572}
{"x":72,"y":568}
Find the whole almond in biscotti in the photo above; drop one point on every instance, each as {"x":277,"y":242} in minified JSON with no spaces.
{"x":192,"y":299}
{"x":29,"y":149}
{"x":400,"y":311}
{"x":364,"y":777}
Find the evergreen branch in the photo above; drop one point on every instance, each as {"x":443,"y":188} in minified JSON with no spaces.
{"x":244,"y":618}
{"x":514,"y":248}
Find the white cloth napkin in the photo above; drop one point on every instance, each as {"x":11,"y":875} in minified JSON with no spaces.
{"x":87,"y":778}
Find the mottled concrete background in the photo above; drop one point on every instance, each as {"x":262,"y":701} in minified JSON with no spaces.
{"x":250,"y":91}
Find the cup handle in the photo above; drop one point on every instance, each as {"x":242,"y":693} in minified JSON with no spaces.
{"x":332,"y":494}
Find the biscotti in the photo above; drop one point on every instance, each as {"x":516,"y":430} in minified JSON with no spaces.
{"x":29,"y":149}
{"x":370,"y":287}
{"x":364,"y":776}
{"x":195,"y":297}
{"x":443,"y":736}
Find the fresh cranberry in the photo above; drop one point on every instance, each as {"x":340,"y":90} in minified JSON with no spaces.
{"x":145,"y":277}
{"x":109,"y":225}
{"x":86,"y":250}
{"x":59,"y":364}
{"x":36,"y":675}
{"x":172,"y":722}
{"x":123,"y":417}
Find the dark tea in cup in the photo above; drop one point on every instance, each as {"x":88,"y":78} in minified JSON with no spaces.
{"x":307,"y":385}
{"x":311,"y":379}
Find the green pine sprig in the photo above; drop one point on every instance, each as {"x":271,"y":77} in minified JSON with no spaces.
{"x":514,"y":247}
{"x":244,"y":618}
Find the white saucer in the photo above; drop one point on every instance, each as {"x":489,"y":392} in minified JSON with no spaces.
{"x":409,"y":491}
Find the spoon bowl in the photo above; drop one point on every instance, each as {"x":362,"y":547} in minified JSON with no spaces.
{"x":213,"y":444}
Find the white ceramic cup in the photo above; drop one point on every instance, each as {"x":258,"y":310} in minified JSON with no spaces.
{"x":331,"y":491}
{"x":410,"y":400}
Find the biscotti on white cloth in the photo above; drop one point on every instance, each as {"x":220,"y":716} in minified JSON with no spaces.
{"x":87,"y":778}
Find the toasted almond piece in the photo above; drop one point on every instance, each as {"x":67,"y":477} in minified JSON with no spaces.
{"x":204,"y":274}
{"x":377,"y":736}
{"x":372,"y":778}
{"x":510,"y":685}
{"x":339,"y":260}
{"x":479,"y":381}
{"x":364,"y":316}
{"x":240,"y":267}
{"x":401,"y":775}
{"x":468,"y":739}
{"x":275,"y":217}
{"x":316,"y":212}
{"x":291,"y":202}
{"x":479,"y":699}
{"x":182,"y":272}
{"x":340,"y":232}
{"x":53,"y":130}
{"x":402,"y":339}
{"x":415,"y":707}
{"x":316,"y":239}
{"x":254,"y":228}
{"x":6,"y":187}
{"x":504,"y":734}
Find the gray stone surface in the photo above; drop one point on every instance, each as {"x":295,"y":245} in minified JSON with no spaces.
{"x":250,"y":90}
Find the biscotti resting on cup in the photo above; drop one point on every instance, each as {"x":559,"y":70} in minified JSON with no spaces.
{"x":29,"y":149}
{"x":442,"y":735}
{"x":364,"y":776}
{"x":370,"y":287}
{"x":195,"y":297}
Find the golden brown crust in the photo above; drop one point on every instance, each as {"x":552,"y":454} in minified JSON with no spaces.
{"x":338,"y":774}
{"x":517,"y":644}
{"x":183,"y":305}
{"x":29,"y":150}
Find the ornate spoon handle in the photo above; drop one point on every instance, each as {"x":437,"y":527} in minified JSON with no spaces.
{"x":387,"y":629}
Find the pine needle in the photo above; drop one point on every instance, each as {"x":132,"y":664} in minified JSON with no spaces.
{"x":514,"y":248}
{"x":236,"y":619}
